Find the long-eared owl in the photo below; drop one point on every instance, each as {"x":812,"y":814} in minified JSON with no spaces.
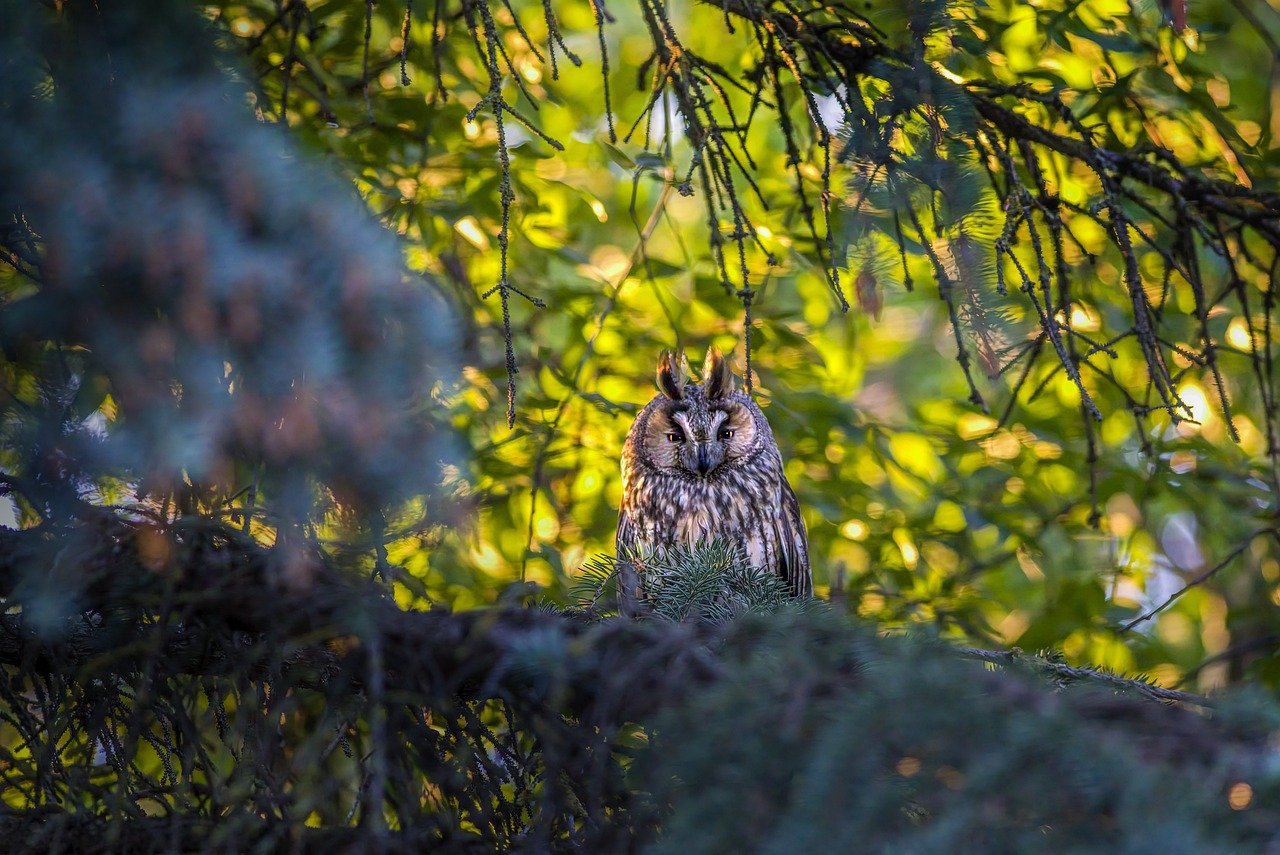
{"x":700,"y":464}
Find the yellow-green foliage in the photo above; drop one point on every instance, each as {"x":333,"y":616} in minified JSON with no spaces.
{"x":925,"y":506}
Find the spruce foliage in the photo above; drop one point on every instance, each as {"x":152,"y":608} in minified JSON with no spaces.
{"x":709,"y":583}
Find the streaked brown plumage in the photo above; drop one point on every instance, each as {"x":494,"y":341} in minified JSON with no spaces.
{"x":700,"y":463}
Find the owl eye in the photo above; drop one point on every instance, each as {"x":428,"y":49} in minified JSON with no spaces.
{"x":675,"y":436}
{"x":726,"y":434}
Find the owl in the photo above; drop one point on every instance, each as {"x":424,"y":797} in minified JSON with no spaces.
{"x":700,"y":464}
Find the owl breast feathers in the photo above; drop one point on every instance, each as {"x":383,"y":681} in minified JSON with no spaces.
{"x":700,"y":464}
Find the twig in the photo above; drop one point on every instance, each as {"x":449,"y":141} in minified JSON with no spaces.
{"x":1201,"y":579}
{"x":1012,"y":657}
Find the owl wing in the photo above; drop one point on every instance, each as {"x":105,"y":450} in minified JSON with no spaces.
{"x":792,"y":544}
{"x":625,"y":544}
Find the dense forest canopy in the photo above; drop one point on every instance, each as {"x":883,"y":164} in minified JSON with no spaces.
{"x":322,"y":324}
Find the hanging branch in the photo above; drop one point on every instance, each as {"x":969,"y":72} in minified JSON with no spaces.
{"x":404,"y":43}
{"x":294,"y":9}
{"x":1016,"y":134}
{"x":488,"y":42}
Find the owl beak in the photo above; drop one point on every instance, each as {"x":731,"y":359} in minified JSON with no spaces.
{"x":705,"y":463}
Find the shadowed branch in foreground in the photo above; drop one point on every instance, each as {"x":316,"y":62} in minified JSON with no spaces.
{"x":219,"y":703}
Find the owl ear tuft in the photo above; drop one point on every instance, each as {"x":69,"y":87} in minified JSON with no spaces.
{"x":673,"y":371}
{"x":717,"y":376}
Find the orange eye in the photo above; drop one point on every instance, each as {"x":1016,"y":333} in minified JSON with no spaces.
{"x":675,"y":436}
{"x":726,"y":434}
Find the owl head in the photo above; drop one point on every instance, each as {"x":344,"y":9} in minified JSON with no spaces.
{"x":700,"y":429}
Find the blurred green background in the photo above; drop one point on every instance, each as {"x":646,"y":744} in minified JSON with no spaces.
{"x":928,"y":511}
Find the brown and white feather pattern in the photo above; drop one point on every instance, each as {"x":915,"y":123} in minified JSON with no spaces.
{"x":704,"y":466}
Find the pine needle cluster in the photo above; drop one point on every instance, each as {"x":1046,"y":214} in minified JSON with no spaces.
{"x":709,"y":583}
